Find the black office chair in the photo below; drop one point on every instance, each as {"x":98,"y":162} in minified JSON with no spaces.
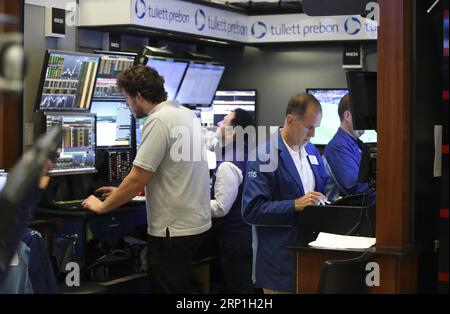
{"x":344,"y":276}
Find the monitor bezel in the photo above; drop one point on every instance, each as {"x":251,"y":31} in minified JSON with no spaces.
{"x":69,"y":113}
{"x":48,"y":52}
{"x":116,"y":53}
{"x":370,"y":121}
{"x":190,"y":105}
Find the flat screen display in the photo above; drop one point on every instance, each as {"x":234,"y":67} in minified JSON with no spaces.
{"x":114,"y":121}
{"x":68,"y":81}
{"x":329,"y":98}
{"x":226,"y":101}
{"x":111,"y":64}
{"x":172,"y":71}
{"x":76,"y":152}
{"x":200,"y":84}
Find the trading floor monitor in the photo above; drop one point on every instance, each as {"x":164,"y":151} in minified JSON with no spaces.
{"x":78,"y":144}
{"x":114,"y":123}
{"x":329,"y":98}
{"x":111,"y":64}
{"x":200,"y":84}
{"x":67,"y":81}
{"x":226,"y":101}
{"x":363,"y":99}
{"x":172,"y":70}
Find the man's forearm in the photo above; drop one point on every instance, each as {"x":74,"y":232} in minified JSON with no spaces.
{"x":128,"y":189}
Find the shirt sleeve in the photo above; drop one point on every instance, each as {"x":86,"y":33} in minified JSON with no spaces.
{"x":226,"y":188}
{"x":155,"y":143}
{"x":345,"y":167}
{"x":261,"y":204}
{"x":211,"y":139}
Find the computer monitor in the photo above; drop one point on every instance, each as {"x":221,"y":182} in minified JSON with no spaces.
{"x":368,"y":165}
{"x":77,"y":148}
{"x":171,"y":70}
{"x":329,"y":98}
{"x":111,"y":64}
{"x":67,"y":81}
{"x":200,"y":84}
{"x":363,"y":99}
{"x":226,"y":101}
{"x":139,"y":126}
{"x":114,"y":123}
{"x":3,"y":178}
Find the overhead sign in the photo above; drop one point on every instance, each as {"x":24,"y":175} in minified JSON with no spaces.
{"x":301,"y":27}
{"x":180,"y":16}
{"x":201,"y":20}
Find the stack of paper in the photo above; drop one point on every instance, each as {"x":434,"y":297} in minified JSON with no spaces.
{"x":337,"y":241}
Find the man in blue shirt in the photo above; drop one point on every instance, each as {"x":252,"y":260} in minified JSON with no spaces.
{"x":343,"y":153}
{"x":278,"y":187}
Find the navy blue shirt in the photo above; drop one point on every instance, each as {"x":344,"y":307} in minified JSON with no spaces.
{"x":343,"y":155}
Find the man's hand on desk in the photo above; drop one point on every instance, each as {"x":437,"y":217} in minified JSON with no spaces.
{"x":105,"y":190}
{"x":94,"y":204}
{"x":310,"y":198}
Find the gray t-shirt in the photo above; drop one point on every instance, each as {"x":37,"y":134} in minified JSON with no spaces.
{"x":177,"y":196}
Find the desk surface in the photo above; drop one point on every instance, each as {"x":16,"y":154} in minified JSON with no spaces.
{"x":85,"y":214}
{"x":375,"y":250}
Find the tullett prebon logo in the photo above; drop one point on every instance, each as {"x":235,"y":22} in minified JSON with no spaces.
{"x":352,"y":25}
{"x":200,"y":19}
{"x":259,"y":30}
{"x":140,"y":8}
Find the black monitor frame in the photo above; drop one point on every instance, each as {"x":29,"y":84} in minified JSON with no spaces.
{"x":193,"y":105}
{"x":368,"y":165}
{"x":116,"y":53}
{"x":87,"y":114}
{"x":362,"y":88}
{"x":44,"y":74}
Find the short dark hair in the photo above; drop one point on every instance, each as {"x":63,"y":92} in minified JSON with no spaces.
{"x":144,"y":80}
{"x":242,"y":118}
{"x":344,"y":105}
{"x":299,"y":103}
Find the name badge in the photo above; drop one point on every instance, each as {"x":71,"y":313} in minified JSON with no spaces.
{"x":313,"y":160}
{"x":15,"y":260}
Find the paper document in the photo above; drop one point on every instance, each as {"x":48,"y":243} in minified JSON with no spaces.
{"x":337,"y":241}
{"x":138,"y":199}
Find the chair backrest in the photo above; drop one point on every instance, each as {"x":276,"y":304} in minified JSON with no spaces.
{"x":344,"y":276}
{"x":332,"y":188}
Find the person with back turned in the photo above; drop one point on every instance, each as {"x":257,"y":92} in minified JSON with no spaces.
{"x":176,"y":188}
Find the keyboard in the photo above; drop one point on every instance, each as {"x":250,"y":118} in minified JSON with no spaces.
{"x":71,"y":204}
{"x":68,"y":205}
